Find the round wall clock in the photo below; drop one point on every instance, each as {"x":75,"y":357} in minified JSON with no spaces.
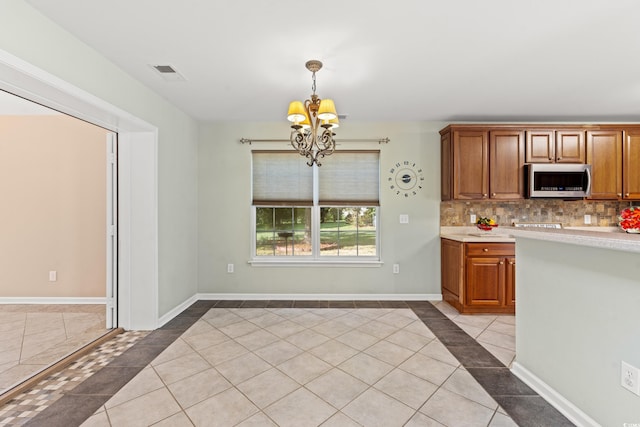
{"x":405,"y":178}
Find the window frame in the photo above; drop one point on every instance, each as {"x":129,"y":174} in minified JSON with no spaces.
{"x":316,"y":259}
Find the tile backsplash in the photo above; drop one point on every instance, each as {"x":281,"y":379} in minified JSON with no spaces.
{"x":569,"y":213}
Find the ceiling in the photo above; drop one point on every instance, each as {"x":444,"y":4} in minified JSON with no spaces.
{"x":456,"y":60}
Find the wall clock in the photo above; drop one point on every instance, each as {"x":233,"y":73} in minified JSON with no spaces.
{"x":405,"y":178}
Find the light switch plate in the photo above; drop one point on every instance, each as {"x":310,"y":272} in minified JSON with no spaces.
{"x":404,"y":219}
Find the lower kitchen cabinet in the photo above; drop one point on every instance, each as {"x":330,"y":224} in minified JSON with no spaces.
{"x":479,"y":277}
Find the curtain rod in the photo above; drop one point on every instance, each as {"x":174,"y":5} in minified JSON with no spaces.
{"x":378,"y":140}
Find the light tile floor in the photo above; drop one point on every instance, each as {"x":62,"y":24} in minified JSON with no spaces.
{"x":310,"y":367}
{"x":34,"y":336}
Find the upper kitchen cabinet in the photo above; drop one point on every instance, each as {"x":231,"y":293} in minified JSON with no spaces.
{"x":631,"y":165}
{"x":482,"y":163}
{"x":604,"y":154}
{"x":486,"y":161}
{"x":614,"y":156}
{"x":555,"y":146}
{"x":470,"y":157}
{"x":506,"y":164}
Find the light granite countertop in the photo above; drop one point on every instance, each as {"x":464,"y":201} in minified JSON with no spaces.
{"x":598,"y":237}
{"x":473,"y":234}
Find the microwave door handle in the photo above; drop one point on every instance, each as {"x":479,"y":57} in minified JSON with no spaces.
{"x":588,"y":172}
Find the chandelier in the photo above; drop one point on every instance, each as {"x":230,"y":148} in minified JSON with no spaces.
{"x":313,"y":123}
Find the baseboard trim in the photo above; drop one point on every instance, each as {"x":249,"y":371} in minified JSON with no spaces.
{"x":177,"y":310}
{"x":52,"y":300}
{"x":568,"y":409}
{"x":322,"y":297}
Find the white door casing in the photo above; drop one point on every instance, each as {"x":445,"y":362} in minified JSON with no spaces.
{"x":112,"y":231}
{"x":137,"y":218}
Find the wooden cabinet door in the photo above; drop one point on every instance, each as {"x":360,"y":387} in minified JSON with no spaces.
{"x":445,"y":166}
{"x":604,"y":154}
{"x":570,"y":146}
{"x":470,"y":165}
{"x":631,"y":166}
{"x":541,"y":146}
{"x":510,"y":282}
{"x":484,"y":281}
{"x":506,"y":164}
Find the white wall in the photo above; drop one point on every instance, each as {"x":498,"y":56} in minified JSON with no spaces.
{"x":28,"y":35}
{"x":577,"y":318}
{"x":225,"y":215}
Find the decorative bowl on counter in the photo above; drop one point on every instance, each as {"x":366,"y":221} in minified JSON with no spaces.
{"x":629,"y":220}
{"x":486,"y":227}
{"x":486,"y":224}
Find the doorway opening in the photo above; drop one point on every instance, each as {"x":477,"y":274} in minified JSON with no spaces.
{"x":58,"y":182}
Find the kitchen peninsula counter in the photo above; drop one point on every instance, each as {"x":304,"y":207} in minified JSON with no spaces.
{"x":577,"y":320}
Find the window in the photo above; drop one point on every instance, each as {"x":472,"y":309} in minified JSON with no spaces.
{"x":316,"y":213}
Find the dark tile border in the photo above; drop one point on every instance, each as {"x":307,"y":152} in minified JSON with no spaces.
{"x":523,"y":405}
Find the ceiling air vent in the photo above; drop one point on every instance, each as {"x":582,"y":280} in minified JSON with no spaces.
{"x":168,"y":73}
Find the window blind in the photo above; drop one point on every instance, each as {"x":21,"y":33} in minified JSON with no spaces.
{"x":281,"y":178}
{"x":350,"y":178}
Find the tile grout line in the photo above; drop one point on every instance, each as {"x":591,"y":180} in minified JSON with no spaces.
{"x":513,"y":413}
{"x":239,"y":305}
{"x":362,"y":351}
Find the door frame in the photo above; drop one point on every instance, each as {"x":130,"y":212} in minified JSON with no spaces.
{"x":137,"y":263}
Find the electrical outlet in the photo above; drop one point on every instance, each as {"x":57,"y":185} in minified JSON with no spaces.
{"x":472,"y":218}
{"x":587,"y":219}
{"x":53,"y":276}
{"x":229,"y":268}
{"x":396,"y":268}
{"x":404,"y":219}
{"x":629,"y":378}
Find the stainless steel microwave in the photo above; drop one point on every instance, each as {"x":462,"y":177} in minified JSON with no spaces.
{"x":563,"y":180}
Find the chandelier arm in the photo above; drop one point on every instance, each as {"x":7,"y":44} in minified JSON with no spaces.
{"x":300,"y":142}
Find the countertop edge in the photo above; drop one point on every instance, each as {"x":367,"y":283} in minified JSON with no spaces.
{"x":606,"y":238}
{"x":619,"y":241}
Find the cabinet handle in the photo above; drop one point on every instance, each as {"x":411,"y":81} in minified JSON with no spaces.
{"x":619,"y":194}
{"x":626,"y":195}
{"x":485,"y":250}
{"x":559,"y":158}
{"x":512,"y":263}
{"x":484,"y":195}
{"x":550,"y":158}
{"x":493,"y":194}
{"x":501,"y":262}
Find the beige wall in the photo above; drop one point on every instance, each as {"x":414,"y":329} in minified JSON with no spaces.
{"x":52,"y":207}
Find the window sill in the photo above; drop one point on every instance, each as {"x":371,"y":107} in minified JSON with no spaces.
{"x":314,"y":263}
